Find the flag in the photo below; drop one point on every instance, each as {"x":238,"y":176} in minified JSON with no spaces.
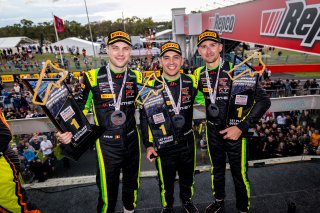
{"x":59,"y":24}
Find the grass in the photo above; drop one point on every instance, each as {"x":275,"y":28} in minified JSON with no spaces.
{"x":306,"y":74}
{"x":287,"y":57}
{"x":92,"y":63}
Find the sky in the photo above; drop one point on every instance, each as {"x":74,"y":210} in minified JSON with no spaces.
{"x":12,"y":11}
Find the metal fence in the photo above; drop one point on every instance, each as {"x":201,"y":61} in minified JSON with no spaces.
{"x":276,"y":93}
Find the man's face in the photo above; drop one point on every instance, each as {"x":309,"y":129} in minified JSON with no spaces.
{"x":171,"y":63}
{"x":210,"y":51}
{"x":119,"y":54}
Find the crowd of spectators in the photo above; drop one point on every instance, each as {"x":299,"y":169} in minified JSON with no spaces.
{"x":286,"y":134}
{"x":285,"y":88}
{"x":20,"y":59}
{"x":25,"y":58}
{"x":276,"y":135}
{"x":36,"y":156}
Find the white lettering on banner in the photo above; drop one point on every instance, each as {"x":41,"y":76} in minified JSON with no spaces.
{"x":234,"y":122}
{"x":165,"y":140}
{"x":222,"y":23}
{"x":298,"y":20}
{"x":80,"y":133}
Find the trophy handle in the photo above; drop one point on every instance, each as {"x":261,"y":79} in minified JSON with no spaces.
{"x":137,"y":100}
{"x":260,"y":72}
{"x":42,"y":75}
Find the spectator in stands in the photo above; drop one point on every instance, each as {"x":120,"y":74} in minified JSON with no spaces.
{"x":28,"y":155}
{"x":299,"y":88}
{"x":281,"y":120}
{"x":46,"y":146}
{"x":305,"y":141}
{"x":280,"y":87}
{"x":35,"y":142}
{"x":293,"y":85}
{"x":1,"y":87}
{"x":288,"y":88}
{"x":16,"y":88}
{"x":313,"y":87}
{"x":84,"y":52}
{"x":306,"y":87}
{"x":10,"y":114}
{"x":47,"y":150}
{"x":315,"y":141}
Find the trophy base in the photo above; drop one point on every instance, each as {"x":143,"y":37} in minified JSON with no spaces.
{"x":75,"y":152}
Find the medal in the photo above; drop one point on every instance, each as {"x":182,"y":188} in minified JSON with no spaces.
{"x":178,"y":121}
{"x":118,"y":118}
{"x":213,"y":110}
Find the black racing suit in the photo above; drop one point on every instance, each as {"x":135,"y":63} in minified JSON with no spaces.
{"x":119,"y":146}
{"x":180,"y":157}
{"x":219,"y":147}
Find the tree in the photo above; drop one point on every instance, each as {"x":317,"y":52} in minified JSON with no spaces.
{"x":134,"y":26}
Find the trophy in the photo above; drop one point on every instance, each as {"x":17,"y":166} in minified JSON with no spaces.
{"x":154,"y":105}
{"x":54,"y":97}
{"x":242,"y":92}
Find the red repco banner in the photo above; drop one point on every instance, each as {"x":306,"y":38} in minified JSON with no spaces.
{"x":288,"y":24}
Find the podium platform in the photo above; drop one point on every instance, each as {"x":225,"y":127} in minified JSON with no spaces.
{"x":272,"y":188}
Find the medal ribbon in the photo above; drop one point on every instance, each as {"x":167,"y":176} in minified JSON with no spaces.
{"x":176,"y":107}
{"x":117,"y":102}
{"x":214,"y":94}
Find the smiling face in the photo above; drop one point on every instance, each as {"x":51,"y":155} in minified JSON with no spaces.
{"x":210,"y":52}
{"x":119,"y":55}
{"x":171,"y":63}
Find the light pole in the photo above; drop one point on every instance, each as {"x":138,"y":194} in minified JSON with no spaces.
{"x":94,"y":52}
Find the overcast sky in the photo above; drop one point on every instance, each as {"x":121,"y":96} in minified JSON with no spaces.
{"x":12,"y":11}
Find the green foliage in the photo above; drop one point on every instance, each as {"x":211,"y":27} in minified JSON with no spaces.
{"x":45,"y":32}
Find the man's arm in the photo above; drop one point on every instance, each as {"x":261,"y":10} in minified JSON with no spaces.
{"x":86,"y":95}
{"x":199,"y":95}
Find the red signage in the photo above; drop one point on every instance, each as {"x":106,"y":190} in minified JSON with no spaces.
{"x":288,"y":24}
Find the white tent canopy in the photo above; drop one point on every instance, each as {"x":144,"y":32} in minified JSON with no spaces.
{"x":12,"y":42}
{"x":74,"y":42}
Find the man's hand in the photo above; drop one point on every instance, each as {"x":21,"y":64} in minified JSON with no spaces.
{"x":231,"y":133}
{"x":150,"y":151}
{"x":64,"y":138}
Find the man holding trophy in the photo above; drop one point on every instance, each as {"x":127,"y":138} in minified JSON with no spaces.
{"x":112,"y":90}
{"x":247,"y":102}
{"x":166,"y":126}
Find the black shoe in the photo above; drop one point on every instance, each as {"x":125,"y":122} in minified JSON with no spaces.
{"x":167,"y":210}
{"x":215,"y":207}
{"x":189,"y":207}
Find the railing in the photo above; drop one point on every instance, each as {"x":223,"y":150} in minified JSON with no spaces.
{"x":292,"y":92}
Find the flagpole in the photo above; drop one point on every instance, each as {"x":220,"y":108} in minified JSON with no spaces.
{"x":94,"y":52}
{"x":55,"y":29}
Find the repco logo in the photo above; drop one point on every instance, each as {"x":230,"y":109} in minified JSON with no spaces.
{"x":298,"y":21}
{"x":222,"y":23}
